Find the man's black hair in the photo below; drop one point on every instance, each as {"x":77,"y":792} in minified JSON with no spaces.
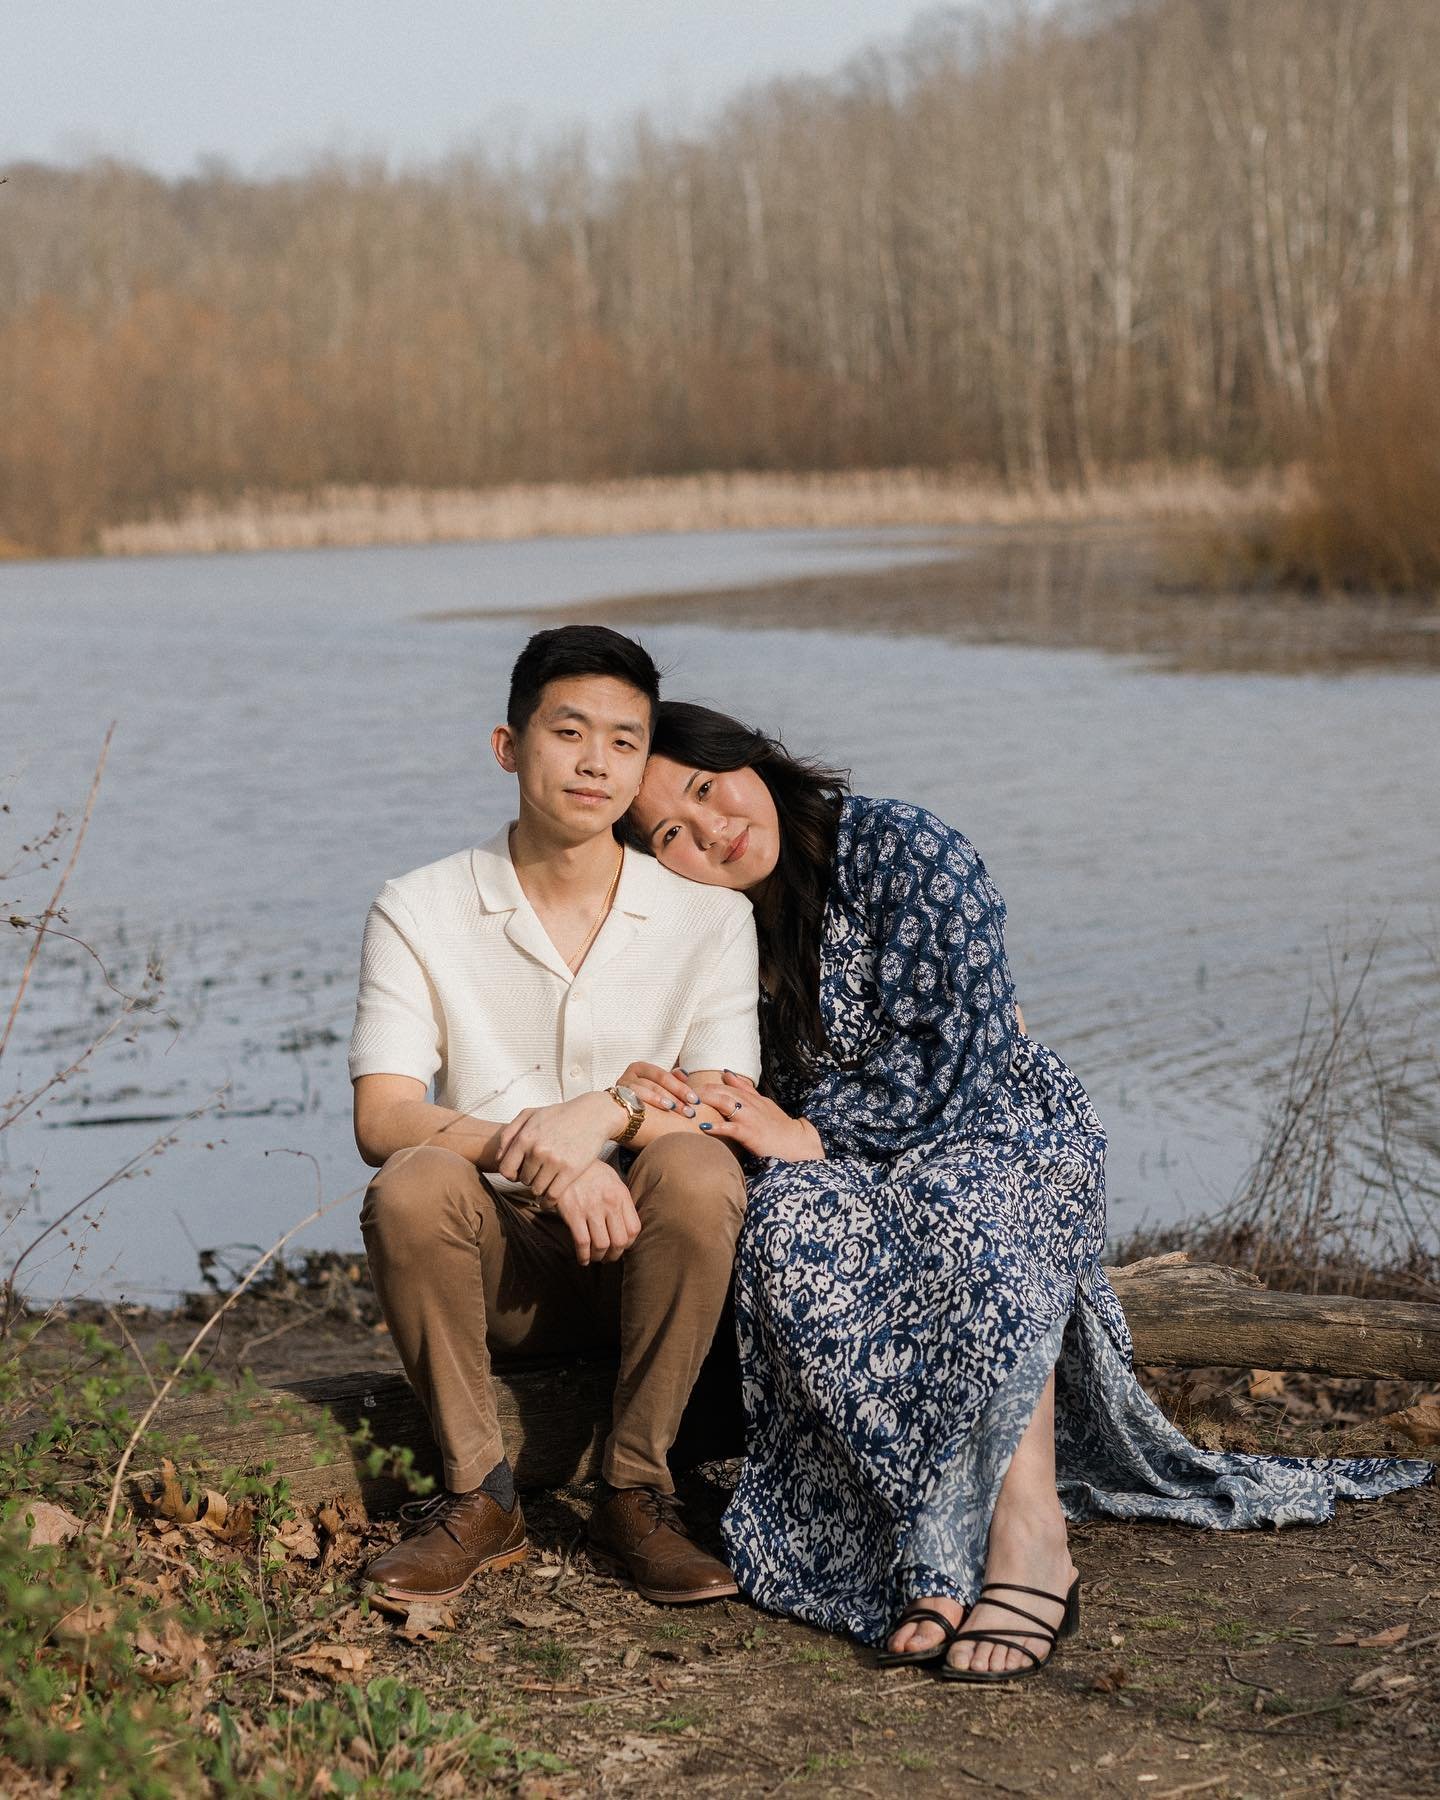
{"x":568,"y":650}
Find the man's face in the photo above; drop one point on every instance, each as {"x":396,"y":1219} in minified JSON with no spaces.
{"x":581,"y":757}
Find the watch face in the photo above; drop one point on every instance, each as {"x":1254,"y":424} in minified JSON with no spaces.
{"x":628,"y":1095}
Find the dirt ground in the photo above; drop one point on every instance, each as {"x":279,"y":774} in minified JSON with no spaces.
{"x":1205,"y":1664}
{"x":1303,"y":1661}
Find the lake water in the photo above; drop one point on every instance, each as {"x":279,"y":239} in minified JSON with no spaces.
{"x":1184,"y":828}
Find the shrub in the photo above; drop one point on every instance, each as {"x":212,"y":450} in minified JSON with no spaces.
{"x":1370,"y":516}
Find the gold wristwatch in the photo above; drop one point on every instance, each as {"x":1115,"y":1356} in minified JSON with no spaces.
{"x":630,"y":1100}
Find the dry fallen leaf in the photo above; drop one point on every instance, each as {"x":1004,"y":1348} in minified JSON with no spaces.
{"x":1111,"y":1681}
{"x":1381,"y":1640}
{"x":340,"y":1522}
{"x":1266,"y":1384}
{"x":633,"y":1749}
{"x":176,"y":1651}
{"x":394,"y":1609}
{"x":298,"y":1538}
{"x":538,"y":1619}
{"x":331,"y":1659}
{"x":418,"y":1619}
{"x":49,"y":1524}
{"x":1420,"y":1423}
{"x":84,"y":1621}
{"x":343,"y":1514}
{"x":425,"y":1620}
{"x":168,"y":1499}
{"x":240,"y":1523}
{"x":221,"y":1521}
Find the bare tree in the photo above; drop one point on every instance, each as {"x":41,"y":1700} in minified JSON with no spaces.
{"x":1048,"y":245}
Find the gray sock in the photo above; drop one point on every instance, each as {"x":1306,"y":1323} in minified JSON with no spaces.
{"x":499,"y":1484}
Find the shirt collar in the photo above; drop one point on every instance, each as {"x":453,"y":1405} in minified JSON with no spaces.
{"x":500,"y":891}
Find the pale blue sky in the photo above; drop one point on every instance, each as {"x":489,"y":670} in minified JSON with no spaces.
{"x":263,"y":82}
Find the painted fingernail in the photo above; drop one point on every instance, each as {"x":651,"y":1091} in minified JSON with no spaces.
{"x":674,"y":1105}
{"x":694,"y":1099}
{"x":690,"y":1114}
{"x":705,"y":1127}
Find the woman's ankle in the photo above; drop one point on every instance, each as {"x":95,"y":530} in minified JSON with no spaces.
{"x":1034,"y":1527}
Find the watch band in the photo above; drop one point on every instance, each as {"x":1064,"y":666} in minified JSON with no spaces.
{"x":634,"y":1111}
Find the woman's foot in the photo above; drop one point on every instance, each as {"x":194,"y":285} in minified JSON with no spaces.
{"x":1029,"y":1547}
{"x":924,"y":1634}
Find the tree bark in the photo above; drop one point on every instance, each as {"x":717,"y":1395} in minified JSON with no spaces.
{"x":1198,"y":1315}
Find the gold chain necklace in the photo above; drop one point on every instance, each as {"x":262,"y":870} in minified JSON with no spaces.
{"x":574,"y":962}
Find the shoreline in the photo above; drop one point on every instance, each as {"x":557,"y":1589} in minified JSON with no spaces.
{"x":356,"y":517}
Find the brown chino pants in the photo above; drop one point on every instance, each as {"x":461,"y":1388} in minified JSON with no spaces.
{"x":461,"y":1270}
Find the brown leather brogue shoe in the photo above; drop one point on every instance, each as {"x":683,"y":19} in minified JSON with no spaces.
{"x":448,"y":1541}
{"x":640,"y":1530}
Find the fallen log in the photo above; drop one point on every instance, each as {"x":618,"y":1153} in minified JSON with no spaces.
{"x":344,"y":1434}
{"x":555,"y":1416}
{"x":1199,"y":1315}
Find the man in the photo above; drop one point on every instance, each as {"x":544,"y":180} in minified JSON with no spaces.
{"x":523,"y":977}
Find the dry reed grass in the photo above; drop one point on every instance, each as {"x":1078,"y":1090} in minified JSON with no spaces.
{"x":356,"y":516}
{"x":1368,"y":514}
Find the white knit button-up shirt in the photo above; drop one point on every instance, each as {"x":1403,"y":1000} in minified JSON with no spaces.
{"x":460,"y":985}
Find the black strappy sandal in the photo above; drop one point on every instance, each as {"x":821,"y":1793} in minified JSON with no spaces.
{"x":1002,"y":1635}
{"x":894,"y":1659}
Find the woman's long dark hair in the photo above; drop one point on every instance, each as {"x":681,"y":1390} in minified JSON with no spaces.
{"x":790,"y":902}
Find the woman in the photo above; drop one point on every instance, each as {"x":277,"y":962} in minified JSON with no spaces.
{"x":936,"y":1371}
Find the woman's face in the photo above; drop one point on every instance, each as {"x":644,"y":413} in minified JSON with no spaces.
{"x":721,"y":829}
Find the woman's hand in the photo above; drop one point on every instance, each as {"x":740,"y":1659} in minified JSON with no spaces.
{"x":758,"y":1125}
{"x":669,"y":1089}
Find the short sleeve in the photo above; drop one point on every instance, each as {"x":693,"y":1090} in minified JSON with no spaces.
{"x":944,"y":1002}
{"x":398,"y":1022}
{"x":724,"y":1032}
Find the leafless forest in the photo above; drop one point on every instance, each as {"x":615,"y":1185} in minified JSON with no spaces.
{"x":1045,"y":249}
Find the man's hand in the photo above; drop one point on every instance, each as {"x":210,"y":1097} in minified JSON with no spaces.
{"x":548,"y":1146}
{"x":758,"y":1125}
{"x":601,"y":1216}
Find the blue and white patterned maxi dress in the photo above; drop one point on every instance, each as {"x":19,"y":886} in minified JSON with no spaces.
{"x":901,"y":1304}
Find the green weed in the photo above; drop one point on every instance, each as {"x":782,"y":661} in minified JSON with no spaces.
{"x":553,"y":1659}
{"x":676,"y":1722}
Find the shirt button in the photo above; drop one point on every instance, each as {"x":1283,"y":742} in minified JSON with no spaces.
{"x":576,"y":1070}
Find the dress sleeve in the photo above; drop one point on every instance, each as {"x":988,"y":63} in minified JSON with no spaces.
{"x":942,"y":1002}
{"x":398,"y":1022}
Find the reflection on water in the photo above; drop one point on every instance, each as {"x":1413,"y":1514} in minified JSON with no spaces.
{"x":1188,"y":801}
{"x":1096,"y":588}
